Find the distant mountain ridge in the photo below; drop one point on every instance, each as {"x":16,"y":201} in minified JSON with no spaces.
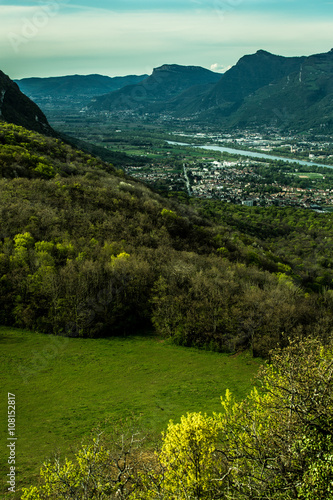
{"x":262,"y":89}
{"x":251,"y":73}
{"x":17,"y":108}
{"x":163,"y":84}
{"x":302,"y":99}
{"x":73,"y":90}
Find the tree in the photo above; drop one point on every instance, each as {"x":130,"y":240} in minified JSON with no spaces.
{"x":106,"y":468}
{"x":278,"y":442}
{"x":188,"y":456}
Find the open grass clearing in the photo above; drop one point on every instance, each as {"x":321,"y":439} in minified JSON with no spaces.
{"x":65,"y":387}
{"x":309,"y":175}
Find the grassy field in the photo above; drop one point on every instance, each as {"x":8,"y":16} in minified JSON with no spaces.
{"x":65,"y":387}
{"x":309,"y":175}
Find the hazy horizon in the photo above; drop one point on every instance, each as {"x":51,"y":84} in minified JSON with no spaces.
{"x":65,"y":37}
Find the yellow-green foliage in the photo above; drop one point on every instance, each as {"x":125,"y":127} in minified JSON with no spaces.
{"x":23,"y":240}
{"x":278,"y":442}
{"x":45,"y":170}
{"x":97,"y":471}
{"x":122,"y":256}
{"x":169,"y":214}
{"x":44,"y":246}
{"x":84,"y":477}
{"x":24,"y":153}
{"x":188,"y":457}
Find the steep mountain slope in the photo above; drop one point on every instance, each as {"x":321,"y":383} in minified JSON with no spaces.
{"x":73,"y":89}
{"x":264,"y":89}
{"x":27,"y":154}
{"x":251,"y":73}
{"x":17,"y":108}
{"x":303,"y":99}
{"x":166,"y":82}
{"x":220,"y":101}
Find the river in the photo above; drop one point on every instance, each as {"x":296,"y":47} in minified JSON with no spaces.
{"x":251,"y":154}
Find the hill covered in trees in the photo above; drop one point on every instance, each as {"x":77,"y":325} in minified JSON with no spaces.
{"x":86,"y":251}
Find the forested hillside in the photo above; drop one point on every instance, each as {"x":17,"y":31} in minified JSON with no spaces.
{"x":85,"y":251}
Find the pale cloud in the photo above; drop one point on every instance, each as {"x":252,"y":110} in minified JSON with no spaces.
{"x":96,"y":41}
{"x":219,"y":68}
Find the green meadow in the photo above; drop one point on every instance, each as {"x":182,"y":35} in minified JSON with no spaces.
{"x":65,"y":387}
{"x":309,"y":175}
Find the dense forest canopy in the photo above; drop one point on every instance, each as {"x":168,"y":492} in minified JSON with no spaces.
{"x":86,"y":251}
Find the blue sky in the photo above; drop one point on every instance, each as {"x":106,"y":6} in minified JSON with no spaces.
{"x":120,"y":37}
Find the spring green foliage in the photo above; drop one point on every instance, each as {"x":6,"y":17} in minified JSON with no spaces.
{"x":107,"y":255}
{"x":276,"y":444}
{"x":96,"y":472}
{"x":28,"y":154}
{"x":299,"y":240}
{"x":188,"y":457}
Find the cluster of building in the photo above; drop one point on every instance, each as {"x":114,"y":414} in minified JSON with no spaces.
{"x":315,"y":149}
{"x":158,"y":175}
{"x":238,"y":182}
{"x":231,"y":181}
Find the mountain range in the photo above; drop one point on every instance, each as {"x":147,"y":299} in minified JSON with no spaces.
{"x":164,"y":84}
{"x":73,"y":90}
{"x":261,"y":90}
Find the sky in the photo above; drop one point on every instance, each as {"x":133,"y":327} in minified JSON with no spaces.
{"x":122,"y":37}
